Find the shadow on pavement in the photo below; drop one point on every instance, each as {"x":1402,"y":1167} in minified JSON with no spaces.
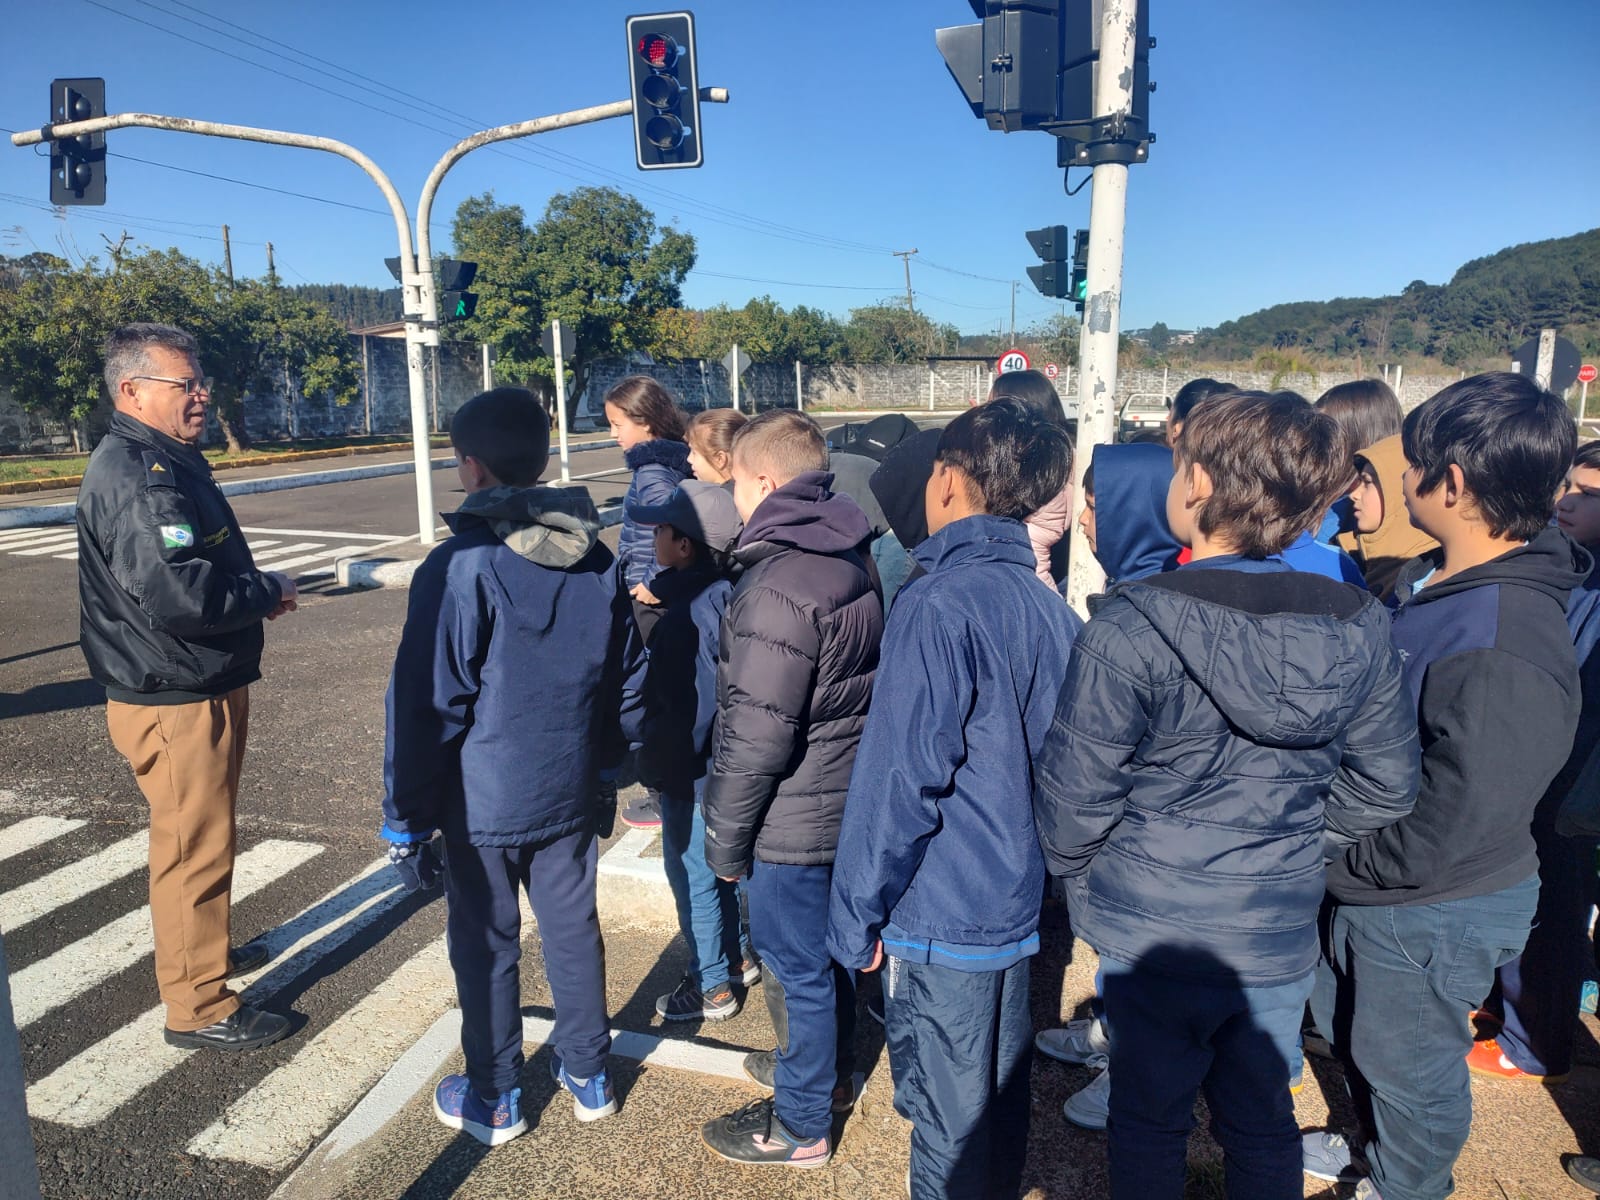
{"x":52,"y":697}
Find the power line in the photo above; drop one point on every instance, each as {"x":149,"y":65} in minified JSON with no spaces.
{"x":843,"y":287}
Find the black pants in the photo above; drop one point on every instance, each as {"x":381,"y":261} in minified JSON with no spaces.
{"x":485,"y":935}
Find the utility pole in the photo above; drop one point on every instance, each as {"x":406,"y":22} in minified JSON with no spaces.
{"x":227,"y":255}
{"x":905,"y":256}
{"x":272,"y":267}
{"x":1097,"y":355}
{"x":1013,"y":312}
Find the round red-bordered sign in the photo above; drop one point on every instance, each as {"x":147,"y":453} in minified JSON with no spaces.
{"x":1587,"y":373}
{"x":1012,"y":360}
{"x":1051,"y":370}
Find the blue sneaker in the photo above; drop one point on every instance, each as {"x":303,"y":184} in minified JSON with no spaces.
{"x":459,"y":1107}
{"x":1328,"y":1156}
{"x":1589,"y":1000}
{"x":592,"y":1098}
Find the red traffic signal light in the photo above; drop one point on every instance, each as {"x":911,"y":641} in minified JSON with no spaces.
{"x":666,"y":91}
{"x":660,"y":51}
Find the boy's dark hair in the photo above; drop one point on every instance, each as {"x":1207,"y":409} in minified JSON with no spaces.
{"x":704,"y":555}
{"x":781,"y":443}
{"x":1192,"y":393}
{"x":508,"y":431}
{"x":1588,"y":455}
{"x":1032,"y":388}
{"x":645,"y":402}
{"x":1014,"y":457}
{"x":1087,"y":486}
{"x":1275,"y":464}
{"x":1367,"y":410}
{"x":1513,"y":441}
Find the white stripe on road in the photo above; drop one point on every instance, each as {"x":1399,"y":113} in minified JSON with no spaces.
{"x":52,"y":548}
{"x":43,"y":545}
{"x":72,"y":882}
{"x":321,"y":533}
{"x":286,"y":551}
{"x":33,"y":831}
{"x":330,"y":552}
{"x":94,"y":1084}
{"x":272,"y":1124}
{"x":45,"y":986}
{"x":34,"y":533}
{"x":262,"y":545}
{"x":73,"y":557}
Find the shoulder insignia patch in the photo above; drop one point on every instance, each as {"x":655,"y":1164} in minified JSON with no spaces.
{"x":157,"y":470}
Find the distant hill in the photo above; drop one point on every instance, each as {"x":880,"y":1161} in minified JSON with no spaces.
{"x":1489,"y":308}
{"x":354,"y":305}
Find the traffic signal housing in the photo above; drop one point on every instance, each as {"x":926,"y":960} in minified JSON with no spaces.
{"x":666,"y":91}
{"x":1079,"y":289}
{"x":455,"y":302}
{"x":1051,"y":277}
{"x":77,"y":164}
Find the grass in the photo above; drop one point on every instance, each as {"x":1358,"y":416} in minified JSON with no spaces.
{"x":21,"y":468}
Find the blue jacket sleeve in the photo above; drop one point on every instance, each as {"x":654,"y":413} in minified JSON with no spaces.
{"x":914,"y":741}
{"x":431,"y":696}
{"x":1083,"y":777}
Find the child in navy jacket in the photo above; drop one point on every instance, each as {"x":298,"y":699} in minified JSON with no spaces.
{"x":501,"y":712}
{"x":939,"y":866}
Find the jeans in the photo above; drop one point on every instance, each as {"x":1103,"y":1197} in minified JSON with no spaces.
{"x":811,"y":999}
{"x":1392,"y":995}
{"x":1171,"y":1038}
{"x":708,"y":908}
{"x":960,"y":1049}
{"x":485,"y":938}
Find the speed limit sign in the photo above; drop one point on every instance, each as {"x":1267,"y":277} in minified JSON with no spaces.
{"x":1012,"y":360}
{"x":1051,"y":370}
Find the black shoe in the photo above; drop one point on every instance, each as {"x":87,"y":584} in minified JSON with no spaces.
{"x":247,"y":958}
{"x":244,"y":1029}
{"x":762,"y":1068}
{"x":1584,"y":1171}
{"x":756,"y":1135}
{"x":643,"y":812}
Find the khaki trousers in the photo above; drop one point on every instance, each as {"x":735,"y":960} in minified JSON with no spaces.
{"x":186,"y":758}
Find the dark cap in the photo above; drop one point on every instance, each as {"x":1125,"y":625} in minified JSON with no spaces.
{"x":700,"y":510}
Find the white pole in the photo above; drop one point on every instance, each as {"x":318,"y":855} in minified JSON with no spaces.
{"x":1165,"y":395}
{"x":561,"y":400}
{"x":1583,"y":401}
{"x":931,"y":378}
{"x":1066,"y":383}
{"x":1547,"y":358}
{"x":734,"y":358}
{"x":488,"y":370}
{"x":799,"y":388}
{"x":1097,"y":379}
{"x":1399,"y":375}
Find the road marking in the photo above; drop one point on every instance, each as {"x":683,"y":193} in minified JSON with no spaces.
{"x":262,"y":545}
{"x":320,"y":533}
{"x":72,"y":882}
{"x":94,"y":1084}
{"x":287,"y":551}
{"x":52,"y":548}
{"x":43,"y":545}
{"x":626,"y":857}
{"x":33,"y":831}
{"x":73,"y":557}
{"x":46,"y":985}
{"x":271,"y":1125}
{"x":325,"y":552}
{"x":34,"y":533}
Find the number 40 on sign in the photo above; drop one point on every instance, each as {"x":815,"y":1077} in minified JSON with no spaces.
{"x":1012,"y":360}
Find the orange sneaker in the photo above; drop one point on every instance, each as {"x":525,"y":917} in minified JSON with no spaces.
{"x":1486,"y":1058}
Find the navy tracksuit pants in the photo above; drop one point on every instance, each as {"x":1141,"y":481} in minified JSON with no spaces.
{"x":960,"y":1050}
{"x":485,"y":936}
{"x":812,"y":1000}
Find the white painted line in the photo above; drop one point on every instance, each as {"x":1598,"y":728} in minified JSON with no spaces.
{"x":626,"y":857}
{"x":52,"y":548}
{"x":72,"y":882}
{"x":271,"y":1125}
{"x":58,"y":541}
{"x":263,"y":544}
{"x":327,"y":552}
{"x":90,"y":1087}
{"x":46,"y":985}
{"x":321,"y":533}
{"x":73,"y":557}
{"x":287,"y":551}
{"x":676,"y":1053}
{"x":25,"y":537}
{"x":33,"y":831}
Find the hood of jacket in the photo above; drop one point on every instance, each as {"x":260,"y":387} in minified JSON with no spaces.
{"x":1551,"y":563}
{"x":978,"y":539}
{"x":1396,"y":541}
{"x":1132,"y":539}
{"x":553,"y":527}
{"x":852,"y":476}
{"x":901,"y":485}
{"x":1272,"y":651}
{"x":680,"y":585}
{"x":658,"y":450}
{"x":805,"y":515}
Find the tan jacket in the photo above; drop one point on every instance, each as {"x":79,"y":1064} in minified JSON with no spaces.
{"x":1396,"y":541}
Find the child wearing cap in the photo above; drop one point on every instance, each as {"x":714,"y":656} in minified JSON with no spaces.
{"x":668,"y":708}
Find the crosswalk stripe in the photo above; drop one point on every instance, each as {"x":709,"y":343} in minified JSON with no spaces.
{"x":52,"y":548}
{"x":33,"y":831}
{"x":23,"y":545}
{"x":284,"y":551}
{"x":20,"y":537}
{"x":272,"y":1124}
{"x":46,"y":985}
{"x":331,"y":553}
{"x":263,"y":544}
{"x":95,"y":1083}
{"x":322,"y":533}
{"x":33,"y":900}
{"x":73,"y":557}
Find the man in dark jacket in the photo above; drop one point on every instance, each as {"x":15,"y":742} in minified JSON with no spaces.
{"x":794,"y":681}
{"x":172,"y":606}
{"x":1222,"y":728}
{"x":1428,"y":909}
{"x":939,"y":867}
{"x":502,"y":711}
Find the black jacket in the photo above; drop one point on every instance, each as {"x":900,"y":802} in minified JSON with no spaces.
{"x":1490,"y":663}
{"x":1221,"y":733}
{"x":799,"y":650}
{"x":171,"y":601}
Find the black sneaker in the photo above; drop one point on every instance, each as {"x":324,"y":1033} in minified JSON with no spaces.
{"x":754,"y":1134}
{"x":762,"y":1068}
{"x":687,"y":1002}
{"x":247,"y":958}
{"x":643,"y":812}
{"x":748,"y":970}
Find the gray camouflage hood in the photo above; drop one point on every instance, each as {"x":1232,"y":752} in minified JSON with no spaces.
{"x":553,"y":527}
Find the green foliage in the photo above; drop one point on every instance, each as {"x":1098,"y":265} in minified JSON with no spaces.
{"x":353,"y":306}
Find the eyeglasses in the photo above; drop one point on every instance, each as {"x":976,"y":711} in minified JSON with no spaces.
{"x":190,"y":385}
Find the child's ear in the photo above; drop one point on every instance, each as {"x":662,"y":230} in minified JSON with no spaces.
{"x":1454,"y":484}
{"x":1196,"y":485}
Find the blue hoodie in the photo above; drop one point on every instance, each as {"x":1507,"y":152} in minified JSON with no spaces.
{"x":1305,"y":553}
{"x":1132,"y":539}
{"x":937,"y":853}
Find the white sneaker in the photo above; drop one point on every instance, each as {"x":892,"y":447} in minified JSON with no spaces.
{"x":1076,"y":1042}
{"x":1090,"y":1107}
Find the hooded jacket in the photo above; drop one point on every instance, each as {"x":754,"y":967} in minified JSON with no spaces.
{"x":1222,"y":730}
{"x":171,"y":601}
{"x":503,"y":701}
{"x":1132,"y":539}
{"x":799,"y":650}
{"x":938,"y":852}
{"x":658,"y":467}
{"x":1396,"y":541}
{"x":1490,"y":667}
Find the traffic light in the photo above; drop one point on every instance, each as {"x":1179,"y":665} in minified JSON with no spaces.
{"x":1050,"y":244}
{"x":666,"y":91}
{"x":77,"y":164}
{"x":455,"y":302}
{"x":1080,"y":269}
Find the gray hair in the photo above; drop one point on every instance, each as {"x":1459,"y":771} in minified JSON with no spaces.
{"x":127,"y":350}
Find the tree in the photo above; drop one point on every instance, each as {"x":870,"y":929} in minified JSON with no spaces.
{"x":1158,"y":337}
{"x":510,"y":314}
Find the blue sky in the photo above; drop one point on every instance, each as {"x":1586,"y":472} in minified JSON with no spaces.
{"x":1303,"y":151}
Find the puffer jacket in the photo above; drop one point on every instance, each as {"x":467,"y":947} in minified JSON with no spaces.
{"x":798,"y":654}
{"x":1221,"y":733}
{"x":658,"y":467}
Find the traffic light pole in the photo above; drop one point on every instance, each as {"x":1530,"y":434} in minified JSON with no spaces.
{"x":1097,"y":354}
{"x":416,"y":269}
